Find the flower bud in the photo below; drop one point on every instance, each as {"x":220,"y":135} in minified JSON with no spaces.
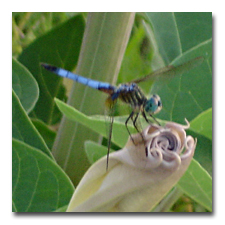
{"x":139,"y":175}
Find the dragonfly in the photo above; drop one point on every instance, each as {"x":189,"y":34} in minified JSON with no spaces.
{"x":130,"y":93}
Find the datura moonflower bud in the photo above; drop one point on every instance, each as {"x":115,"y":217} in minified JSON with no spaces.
{"x":139,"y":175}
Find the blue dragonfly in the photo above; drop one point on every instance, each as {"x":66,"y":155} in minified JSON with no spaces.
{"x":130,"y":93}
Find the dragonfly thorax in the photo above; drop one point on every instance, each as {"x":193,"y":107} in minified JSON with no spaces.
{"x":131,"y":94}
{"x":153,"y":105}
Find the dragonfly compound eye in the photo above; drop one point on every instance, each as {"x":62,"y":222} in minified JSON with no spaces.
{"x":153,"y":105}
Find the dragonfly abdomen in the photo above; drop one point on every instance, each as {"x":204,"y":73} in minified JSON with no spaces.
{"x":106,"y":87}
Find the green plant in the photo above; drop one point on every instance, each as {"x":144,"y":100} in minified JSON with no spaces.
{"x":48,"y":162}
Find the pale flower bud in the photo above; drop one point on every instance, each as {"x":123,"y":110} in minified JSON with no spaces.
{"x":139,"y":175}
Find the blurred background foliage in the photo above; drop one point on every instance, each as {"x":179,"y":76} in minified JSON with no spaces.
{"x":28,"y":26}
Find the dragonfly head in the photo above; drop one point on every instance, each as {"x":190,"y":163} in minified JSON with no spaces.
{"x":153,"y":105}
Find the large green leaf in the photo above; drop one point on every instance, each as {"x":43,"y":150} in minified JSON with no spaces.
{"x":38,"y":183}
{"x":189,"y":94}
{"x":59,"y":47}
{"x":96,"y":123}
{"x":179,"y":32}
{"x":203,"y":152}
{"x":201,"y":128}
{"x":202,"y":124}
{"x":180,"y":37}
{"x":45,"y":131}
{"x":23,"y":129}
{"x":24,"y":85}
{"x":197,"y":184}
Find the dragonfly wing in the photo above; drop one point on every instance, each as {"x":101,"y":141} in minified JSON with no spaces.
{"x":170,"y":71}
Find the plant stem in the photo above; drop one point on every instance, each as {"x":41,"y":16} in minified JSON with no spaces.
{"x":104,"y":43}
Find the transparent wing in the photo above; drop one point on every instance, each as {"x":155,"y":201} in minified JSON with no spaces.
{"x":170,"y":71}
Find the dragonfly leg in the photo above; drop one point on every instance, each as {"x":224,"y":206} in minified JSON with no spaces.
{"x":126,"y":122}
{"x":155,"y":120}
{"x":146,"y":119}
{"x":134,"y":122}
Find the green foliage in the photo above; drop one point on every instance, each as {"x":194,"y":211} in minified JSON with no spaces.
{"x":178,"y":33}
{"x":24,"y":85}
{"x":28,"y":26}
{"x":95,"y":151}
{"x":23,"y":129}
{"x":197,"y":184}
{"x":38,"y":183}
{"x":190,"y":93}
{"x":96,"y":123}
{"x":157,"y":39}
{"x":189,"y":36}
{"x":60,"y":47}
{"x":45,"y":131}
{"x":202,"y":124}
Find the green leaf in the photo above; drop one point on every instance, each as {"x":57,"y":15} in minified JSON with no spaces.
{"x":59,"y":47}
{"x":95,"y":151}
{"x":38,"y":183}
{"x":189,"y":94}
{"x":47,"y":133}
{"x":135,"y":62}
{"x":203,"y":151}
{"x":62,"y":209}
{"x":197,"y":184}
{"x":181,"y":37}
{"x":24,"y":85}
{"x":95,"y":123}
{"x":202,"y":124}
{"x":179,"y":32}
{"x":23,"y":129}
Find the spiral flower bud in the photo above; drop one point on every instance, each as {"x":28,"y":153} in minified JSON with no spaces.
{"x":139,"y":175}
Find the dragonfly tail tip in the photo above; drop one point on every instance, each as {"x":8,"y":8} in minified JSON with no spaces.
{"x":49,"y":67}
